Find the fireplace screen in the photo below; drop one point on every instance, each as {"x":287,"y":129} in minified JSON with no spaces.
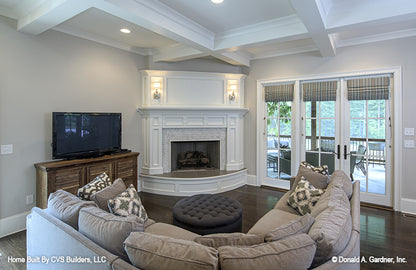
{"x":195,"y":155}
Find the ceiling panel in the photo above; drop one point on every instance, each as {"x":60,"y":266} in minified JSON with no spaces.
{"x":230,"y":14}
{"x":100,"y":23}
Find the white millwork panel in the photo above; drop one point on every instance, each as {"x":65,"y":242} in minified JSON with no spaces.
{"x":191,"y":106}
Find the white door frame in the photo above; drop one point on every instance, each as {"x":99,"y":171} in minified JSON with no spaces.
{"x":397,"y":115}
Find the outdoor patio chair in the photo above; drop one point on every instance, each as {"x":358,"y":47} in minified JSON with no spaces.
{"x":360,"y":161}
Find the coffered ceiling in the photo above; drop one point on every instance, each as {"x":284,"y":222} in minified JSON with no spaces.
{"x":235,"y":31}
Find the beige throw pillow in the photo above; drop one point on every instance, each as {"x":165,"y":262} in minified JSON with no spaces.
{"x":300,"y":225}
{"x":101,"y":197}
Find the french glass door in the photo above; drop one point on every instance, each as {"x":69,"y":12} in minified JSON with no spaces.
{"x":346,"y":127}
{"x":369,"y":137}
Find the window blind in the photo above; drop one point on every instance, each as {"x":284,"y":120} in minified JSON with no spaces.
{"x":320,"y":91}
{"x":370,"y":88}
{"x":280,"y":92}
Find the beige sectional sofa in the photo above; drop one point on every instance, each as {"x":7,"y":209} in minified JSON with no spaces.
{"x":281,"y":239}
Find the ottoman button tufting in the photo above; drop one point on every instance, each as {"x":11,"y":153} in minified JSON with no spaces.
{"x":208,"y":213}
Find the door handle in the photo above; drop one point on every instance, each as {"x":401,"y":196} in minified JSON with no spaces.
{"x":338,"y":153}
{"x":345,"y":152}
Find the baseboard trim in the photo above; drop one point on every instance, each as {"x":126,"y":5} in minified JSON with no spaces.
{"x":408,"y":206}
{"x":13,"y":224}
{"x":252,"y":180}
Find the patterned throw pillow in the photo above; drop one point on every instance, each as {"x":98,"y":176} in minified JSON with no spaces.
{"x":304,"y":197}
{"x":322,"y":169}
{"x":100,"y":182}
{"x":127,"y":203}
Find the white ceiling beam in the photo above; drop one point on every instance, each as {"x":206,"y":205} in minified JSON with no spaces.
{"x":310,"y":14}
{"x":233,"y":58}
{"x":359,"y":13}
{"x":49,"y":14}
{"x":177,"y":52}
{"x":278,"y":30}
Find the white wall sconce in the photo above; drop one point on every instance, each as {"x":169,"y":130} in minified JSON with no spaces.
{"x":156,"y":90}
{"x":232,"y":94}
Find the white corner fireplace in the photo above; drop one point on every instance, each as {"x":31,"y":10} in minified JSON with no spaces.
{"x":192,"y":128}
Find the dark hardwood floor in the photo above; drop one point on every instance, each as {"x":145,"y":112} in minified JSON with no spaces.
{"x":383,"y":233}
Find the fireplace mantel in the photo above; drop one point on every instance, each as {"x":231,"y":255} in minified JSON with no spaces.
{"x":197,"y":104}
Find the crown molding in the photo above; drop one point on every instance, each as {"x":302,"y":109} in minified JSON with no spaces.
{"x":376,"y":38}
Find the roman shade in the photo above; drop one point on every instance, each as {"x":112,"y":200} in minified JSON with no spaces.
{"x":370,"y":88}
{"x":279,"y":92}
{"x":320,"y":91}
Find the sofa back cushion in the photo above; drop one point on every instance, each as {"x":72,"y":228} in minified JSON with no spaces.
{"x":332,"y":228}
{"x":293,"y":252}
{"x":66,"y":206}
{"x":149,"y":251}
{"x":340,"y":178}
{"x":229,"y":239}
{"x":108,"y":230}
{"x":101,"y":197}
{"x":297,"y":226}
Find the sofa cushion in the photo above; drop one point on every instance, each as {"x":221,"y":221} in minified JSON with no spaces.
{"x":293,"y":252}
{"x":229,"y":239}
{"x":304,"y":197}
{"x":318,"y":178}
{"x":300,"y":225}
{"x":340,"y":178}
{"x":128,"y":203}
{"x":271,"y":220}
{"x":108,"y":230}
{"x":332,"y":228}
{"x":101,"y":197}
{"x":331,"y":197}
{"x":97,"y":184}
{"x":149,"y":251}
{"x":170,"y":230}
{"x":66,"y":206}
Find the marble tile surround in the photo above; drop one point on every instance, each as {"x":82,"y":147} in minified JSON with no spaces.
{"x":191,"y":134}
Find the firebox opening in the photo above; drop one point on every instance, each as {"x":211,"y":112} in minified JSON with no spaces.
{"x":195,"y":155}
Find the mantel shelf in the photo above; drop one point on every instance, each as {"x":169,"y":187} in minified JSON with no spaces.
{"x":164,"y":109}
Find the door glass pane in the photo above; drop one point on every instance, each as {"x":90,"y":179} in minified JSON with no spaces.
{"x":320,"y":134}
{"x":357,"y":108}
{"x":367,"y":144}
{"x":327,"y":109}
{"x":376,"y":128}
{"x":376,"y":108}
{"x":279,"y":134}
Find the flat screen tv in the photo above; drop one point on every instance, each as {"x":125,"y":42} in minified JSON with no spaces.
{"x":81,"y":135}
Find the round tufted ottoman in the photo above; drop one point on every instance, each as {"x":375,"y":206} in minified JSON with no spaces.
{"x":208,"y":213}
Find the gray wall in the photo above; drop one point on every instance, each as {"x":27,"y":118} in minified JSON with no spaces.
{"x":56,"y":72}
{"x":387,"y":54}
{"x":59,"y":72}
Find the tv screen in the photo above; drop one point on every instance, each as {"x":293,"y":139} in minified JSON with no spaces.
{"x":78,"y":135}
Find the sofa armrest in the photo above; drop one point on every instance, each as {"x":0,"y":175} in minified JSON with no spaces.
{"x":53,"y":239}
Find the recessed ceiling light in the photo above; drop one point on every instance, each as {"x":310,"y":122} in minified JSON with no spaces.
{"x":217,"y":1}
{"x":125,"y":31}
